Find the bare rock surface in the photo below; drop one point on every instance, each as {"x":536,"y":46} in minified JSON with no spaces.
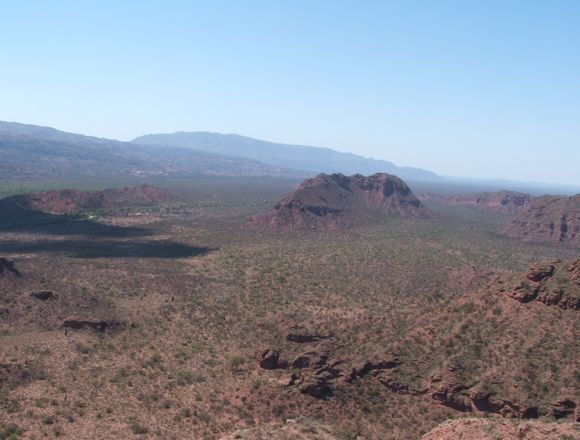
{"x":552,"y":283}
{"x":550,"y":219}
{"x":506,"y":202}
{"x":335,"y":201}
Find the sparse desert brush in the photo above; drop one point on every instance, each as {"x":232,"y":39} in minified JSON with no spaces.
{"x":183,"y":361}
{"x":236,"y":362}
{"x":10,"y":432}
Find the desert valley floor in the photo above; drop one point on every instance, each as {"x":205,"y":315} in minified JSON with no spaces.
{"x":174,"y":321}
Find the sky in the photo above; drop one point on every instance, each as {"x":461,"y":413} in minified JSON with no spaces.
{"x":462,"y":88}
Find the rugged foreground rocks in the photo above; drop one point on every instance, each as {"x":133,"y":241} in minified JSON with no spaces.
{"x":317,"y":372}
{"x":492,"y":351}
{"x":334,"y":201}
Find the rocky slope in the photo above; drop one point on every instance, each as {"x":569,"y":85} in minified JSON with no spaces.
{"x":506,"y":202}
{"x":335,"y":200}
{"x":492,"y":351}
{"x":550,"y":219}
{"x":493,"y":429}
{"x":70,"y":201}
{"x":510,"y":348}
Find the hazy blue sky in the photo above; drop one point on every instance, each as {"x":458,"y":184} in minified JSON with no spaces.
{"x":471,"y":88}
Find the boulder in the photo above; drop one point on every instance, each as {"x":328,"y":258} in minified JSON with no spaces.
{"x":367,"y":367}
{"x":540,"y":271}
{"x":287,"y":380}
{"x":564,"y":407}
{"x":523,"y":292}
{"x":316,"y":388}
{"x":447,"y":389}
{"x":7,"y":267}
{"x":310,"y":359}
{"x":268,"y":359}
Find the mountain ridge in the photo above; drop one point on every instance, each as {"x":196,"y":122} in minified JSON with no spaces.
{"x":300,"y":157}
{"x":24,"y":147}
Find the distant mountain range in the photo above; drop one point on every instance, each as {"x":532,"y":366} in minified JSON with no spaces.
{"x":33,"y":152}
{"x":299,"y":157}
{"x":30,"y":152}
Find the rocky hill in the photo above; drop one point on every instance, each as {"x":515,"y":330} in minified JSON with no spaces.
{"x":550,"y":219}
{"x":300,"y":157}
{"x":335,"y":200}
{"x":506,"y":202}
{"x":70,"y":201}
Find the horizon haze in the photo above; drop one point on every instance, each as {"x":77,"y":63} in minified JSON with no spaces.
{"x":485,"y":90}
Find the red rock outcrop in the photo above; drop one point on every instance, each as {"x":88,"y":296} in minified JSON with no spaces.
{"x":549,"y":219}
{"x":70,"y":201}
{"x":334,"y":201}
{"x":506,"y":202}
{"x":552,"y":282}
{"x":268,"y":358}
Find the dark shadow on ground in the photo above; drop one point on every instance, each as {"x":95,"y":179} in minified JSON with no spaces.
{"x":53,"y":224}
{"x":105,"y":248}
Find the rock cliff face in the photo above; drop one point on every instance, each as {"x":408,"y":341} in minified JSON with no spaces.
{"x":506,"y":202}
{"x":335,"y":200}
{"x":70,"y":201}
{"x":548,"y":218}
